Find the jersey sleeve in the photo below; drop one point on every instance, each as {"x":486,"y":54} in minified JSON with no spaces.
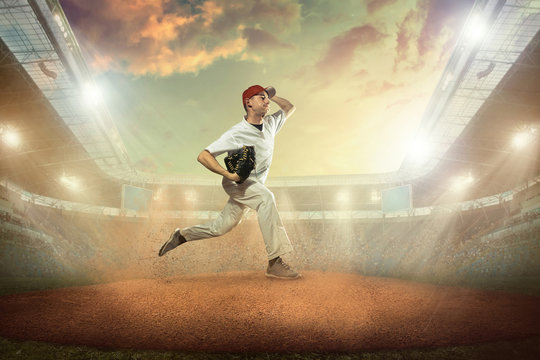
{"x":277,"y":120}
{"x":224,"y":144}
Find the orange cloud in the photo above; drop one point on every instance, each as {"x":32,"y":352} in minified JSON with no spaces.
{"x":163,"y":36}
{"x":163,"y":29}
{"x":210,"y":11}
{"x":165,"y":61}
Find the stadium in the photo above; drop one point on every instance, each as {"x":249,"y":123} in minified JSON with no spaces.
{"x":417,"y":232}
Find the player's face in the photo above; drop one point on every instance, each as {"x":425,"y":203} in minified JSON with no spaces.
{"x":260,"y":103}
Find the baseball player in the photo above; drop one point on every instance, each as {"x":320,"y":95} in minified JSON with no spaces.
{"x":255,"y":131}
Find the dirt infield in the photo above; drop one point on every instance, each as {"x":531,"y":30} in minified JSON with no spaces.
{"x":245,"y":312}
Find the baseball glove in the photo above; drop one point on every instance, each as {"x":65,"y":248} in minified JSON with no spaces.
{"x":242,"y":162}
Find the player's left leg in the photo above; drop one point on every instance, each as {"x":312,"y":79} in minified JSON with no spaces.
{"x":228,"y":218}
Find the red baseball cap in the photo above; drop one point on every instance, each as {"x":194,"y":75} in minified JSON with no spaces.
{"x":251,"y":91}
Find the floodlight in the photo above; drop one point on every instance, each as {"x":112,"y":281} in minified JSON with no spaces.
{"x":420,"y":150}
{"x":461,"y":182}
{"x":449,"y":77}
{"x":191,"y":195}
{"x":71,"y":182}
{"x":375,"y":196}
{"x":476,"y":28}
{"x":522,"y":138}
{"x":158,"y":194}
{"x":91,"y":93}
{"x":343,"y":196}
{"x":11,"y":138}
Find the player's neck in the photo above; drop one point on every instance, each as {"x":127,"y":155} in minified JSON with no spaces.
{"x":254,"y":119}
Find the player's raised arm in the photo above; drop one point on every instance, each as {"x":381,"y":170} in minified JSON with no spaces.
{"x":284,"y":104}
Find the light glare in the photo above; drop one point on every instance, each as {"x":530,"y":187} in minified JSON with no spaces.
{"x":158,"y":194}
{"x":447,"y":81}
{"x":11,"y":138}
{"x":375,"y":196}
{"x":343,"y":196}
{"x":460,"y":183}
{"x":91,"y":94}
{"x":521,"y":139}
{"x":476,"y":28}
{"x":71,"y":182}
{"x":191,"y":195}
{"x":420,"y":150}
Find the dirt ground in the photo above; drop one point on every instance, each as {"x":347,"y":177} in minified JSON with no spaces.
{"x":245,"y":312}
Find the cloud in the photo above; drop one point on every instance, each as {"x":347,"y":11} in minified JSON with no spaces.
{"x":406,"y":38}
{"x":161,"y":27}
{"x":210,"y":11}
{"x":260,"y":40}
{"x":429,"y":31}
{"x":444,"y":19}
{"x":162,"y":37}
{"x":166,"y":61}
{"x":341,"y":49}
{"x":375,"y":5}
{"x":275,"y":16}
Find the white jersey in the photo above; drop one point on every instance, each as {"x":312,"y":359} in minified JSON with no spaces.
{"x":244,"y":133}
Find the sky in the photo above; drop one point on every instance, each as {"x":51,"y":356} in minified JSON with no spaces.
{"x":360,"y":74}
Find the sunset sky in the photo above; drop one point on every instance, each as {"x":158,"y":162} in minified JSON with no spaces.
{"x":359,"y":72}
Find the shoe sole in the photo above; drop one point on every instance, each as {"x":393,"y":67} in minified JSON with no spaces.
{"x":167,"y":243}
{"x":272,"y":276}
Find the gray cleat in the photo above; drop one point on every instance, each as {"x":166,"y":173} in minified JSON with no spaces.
{"x":176,"y":239}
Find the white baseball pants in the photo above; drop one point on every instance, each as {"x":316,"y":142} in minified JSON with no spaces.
{"x":250,"y":194}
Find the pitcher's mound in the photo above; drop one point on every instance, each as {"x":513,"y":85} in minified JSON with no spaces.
{"x":246,"y":312}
